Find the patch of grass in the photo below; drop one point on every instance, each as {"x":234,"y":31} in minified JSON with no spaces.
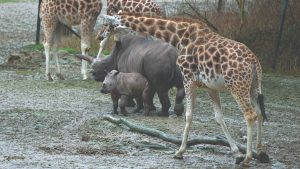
{"x":34,"y":47}
{"x":70,"y":50}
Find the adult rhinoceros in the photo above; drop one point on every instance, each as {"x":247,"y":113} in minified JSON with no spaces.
{"x":156,"y":60}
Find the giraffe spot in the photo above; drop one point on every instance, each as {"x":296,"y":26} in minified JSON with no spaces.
{"x":142,"y":28}
{"x":224,"y":67}
{"x":68,"y":7}
{"x":171,"y":27}
{"x":190,"y":48}
{"x":161,"y":22}
{"x":201,"y":49}
{"x":239,"y":52}
{"x":225,"y":43}
{"x":206,"y":71}
{"x":230,"y":73}
{"x":186,"y":34}
{"x":174,"y":40}
{"x":185,"y":71}
{"x":152,"y":30}
{"x":199,"y":41}
{"x":127,"y":24}
{"x":193,"y":67}
{"x":142,"y":19}
{"x":240,"y":59}
{"x":212,"y":74}
{"x":133,"y":27}
{"x":149,"y":22}
{"x":185,"y":41}
{"x":209,"y":64}
{"x":180,"y":32}
{"x":218,"y":68}
{"x":135,"y":21}
{"x":216,"y":57}
{"x":129,"y":3}
{"x":130,"y":19}
{"x":193,"y":37}
{"x":212,"y":50}
{"x":233,"y":64}
{"x":190,"y":58}
{"x":185,"y":65}
{"x":206,"y":56}
{"x":167,"y":36}
{"x":158,"y":35}
{"x":161,"y":27}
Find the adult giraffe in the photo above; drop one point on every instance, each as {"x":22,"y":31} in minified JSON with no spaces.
{"x":209,"y":60}
{"x":139,"y":7}
{"x":55,"y":13}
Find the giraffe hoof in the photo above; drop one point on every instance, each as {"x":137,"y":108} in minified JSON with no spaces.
{"x":239,"y":159}
{"x":177,"y":156}
{"x":263,"y":157}
{"x":49,"y":78}
{"x":60,"y":76}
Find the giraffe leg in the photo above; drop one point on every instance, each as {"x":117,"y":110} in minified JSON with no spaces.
{"x":190,"y":98}
{"x":58,"y":72}
{"x":103,"y":44}
{"x":262,"y":156}
{"x":47,"y":55}
{"x":215,"y":100}
{"x":86,"y":36}
{"x":50,"y":25}
{"x":242,"y":97}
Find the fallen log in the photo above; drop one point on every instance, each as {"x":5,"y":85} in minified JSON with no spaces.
{"x":217,"y":140}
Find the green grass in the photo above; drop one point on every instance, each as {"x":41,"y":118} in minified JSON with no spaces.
{"x":34,"y":47}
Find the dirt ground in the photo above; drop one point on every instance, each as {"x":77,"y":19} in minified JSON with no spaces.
{"x":59,"y":124}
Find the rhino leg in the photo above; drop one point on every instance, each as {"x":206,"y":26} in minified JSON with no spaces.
{"x":139,"y":101}
{"x":165,"y":103}
{"x":148,"y":96}
{"x":179,"y":107}
{"x":130,"y":102}
{"x":122,"y":105}
{"x":115,"y":99}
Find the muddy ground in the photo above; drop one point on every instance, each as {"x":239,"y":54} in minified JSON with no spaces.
{"x":59,"y":124}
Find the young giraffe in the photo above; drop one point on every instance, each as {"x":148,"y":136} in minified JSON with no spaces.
{"x":209,"y":60}
{"x":55,"y":13}
{"x":139,"y":7}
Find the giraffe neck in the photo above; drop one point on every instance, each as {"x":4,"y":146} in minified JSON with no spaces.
{"x":180,"y":34}
{"x":141,"y":7}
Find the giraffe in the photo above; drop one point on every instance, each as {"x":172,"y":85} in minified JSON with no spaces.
{"x":140,"y":7}
{"x":214,"y":62}
{"x":55,"y":13}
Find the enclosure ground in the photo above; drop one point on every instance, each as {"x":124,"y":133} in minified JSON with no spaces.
{"x":59,"y":124}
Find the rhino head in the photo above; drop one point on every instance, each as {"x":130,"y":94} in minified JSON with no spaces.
{"x":110,"y":82}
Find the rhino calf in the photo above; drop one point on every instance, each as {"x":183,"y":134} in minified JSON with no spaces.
{"x":124,"y":86}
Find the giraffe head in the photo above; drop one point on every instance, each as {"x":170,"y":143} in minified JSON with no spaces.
{"x":114,"y":21}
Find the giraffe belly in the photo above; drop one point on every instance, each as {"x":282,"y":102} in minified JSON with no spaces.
{"x":216,"y":83}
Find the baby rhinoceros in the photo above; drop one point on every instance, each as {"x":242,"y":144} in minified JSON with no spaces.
{"x":124,"y":86}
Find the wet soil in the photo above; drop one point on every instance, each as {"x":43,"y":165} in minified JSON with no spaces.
{"x":59,"y":124}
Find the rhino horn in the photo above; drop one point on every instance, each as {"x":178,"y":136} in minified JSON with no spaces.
{"x":85,"y":57}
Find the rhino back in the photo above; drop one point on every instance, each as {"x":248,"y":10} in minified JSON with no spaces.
{"x":131,"y":84}
{"x":156,"y":60}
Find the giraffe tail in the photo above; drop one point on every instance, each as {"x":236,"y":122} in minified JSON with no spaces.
{"x":260,"y":97}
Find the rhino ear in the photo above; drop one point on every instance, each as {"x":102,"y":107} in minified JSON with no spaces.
{"x":115,"y":72}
